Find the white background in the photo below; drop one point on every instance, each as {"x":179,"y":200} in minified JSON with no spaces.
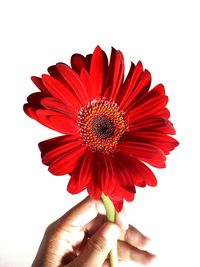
{"x":36,"y":34}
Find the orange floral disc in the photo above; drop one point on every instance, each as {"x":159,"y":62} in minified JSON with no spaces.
{"x":102,"y":125}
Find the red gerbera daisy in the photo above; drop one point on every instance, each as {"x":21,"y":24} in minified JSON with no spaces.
{"x":110,"y":125}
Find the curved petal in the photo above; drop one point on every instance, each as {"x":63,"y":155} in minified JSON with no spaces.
{"x":73,"y":80}
{"x":57,"y":121}
{"x":34,"y":103}
{"x":164,"y":113}
{"x":111,"y":186}
{"x":157,"y":91}
{"x":67,"y":162}
{"x":126,"y":172}
{"x":98,"y":68}
{"x":61,"y":92}
{"x":120,"y":194}
{"x":85,"y":79}
{"x":61,"y":150}
{"x":56,"y":105}
{"x":52,"y":143}
{"x":152,"y":124}
{"x":38,"y":82}
{"x":145,"y":152}
{"x":94,"y":186}
{"x":30,"y":112}
{"x":149,"y":105}
{"x":125,"y":84}
{"x":115,"y":74}
{"x":137,"y":73}
{"x":108,"y":178}
{"x":82,"y":175}
{"x":138,"y":90}
{"x":137,"y":173}
{"x":77,"y":62}
{"x":34,"y":100}
{"x":160,"y":140}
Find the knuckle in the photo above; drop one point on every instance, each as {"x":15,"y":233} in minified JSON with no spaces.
{"x":97,"y":244}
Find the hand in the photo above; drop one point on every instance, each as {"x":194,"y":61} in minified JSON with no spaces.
{"x":83,"y":238}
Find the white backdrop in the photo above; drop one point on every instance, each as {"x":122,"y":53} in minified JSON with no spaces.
{"x":36,"y":34}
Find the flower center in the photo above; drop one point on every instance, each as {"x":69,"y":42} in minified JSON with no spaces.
{"x":102,"y":125}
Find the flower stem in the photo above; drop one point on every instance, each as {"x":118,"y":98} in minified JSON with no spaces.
{"x":110,"y":212}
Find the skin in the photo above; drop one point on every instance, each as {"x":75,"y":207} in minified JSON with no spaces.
{"x":83,"y":238}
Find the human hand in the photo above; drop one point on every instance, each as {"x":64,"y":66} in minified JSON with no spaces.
{"x":83,"y":238}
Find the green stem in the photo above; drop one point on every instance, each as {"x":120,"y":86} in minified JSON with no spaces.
{"x":110,"y":212}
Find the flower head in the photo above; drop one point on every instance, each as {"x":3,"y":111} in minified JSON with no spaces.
{"x":110,"y":126}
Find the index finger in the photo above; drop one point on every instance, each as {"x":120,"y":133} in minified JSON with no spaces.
{"x":82,"y":213}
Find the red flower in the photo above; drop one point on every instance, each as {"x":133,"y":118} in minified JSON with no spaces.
{"x":110,"y":125}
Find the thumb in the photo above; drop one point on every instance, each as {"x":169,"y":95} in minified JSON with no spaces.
{"x":98,"y":246}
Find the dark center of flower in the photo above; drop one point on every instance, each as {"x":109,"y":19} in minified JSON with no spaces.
{"x":103,"y":126}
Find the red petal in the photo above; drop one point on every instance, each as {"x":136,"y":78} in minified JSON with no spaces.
{"x":108,"y":178}
{"x":30,"y":112}
{"x":64,"y":124}
{"x":98,"y":67}
{"x":88,"y":59}
{"x":94,"y":186}
{"x":115,"y":74}
{"x":56,"y":105}
{"x":142,"y":173}
{"x":61,"y":92}
{"x":94,"y":190}
{"x":126,"y":83}
{"x":120,"y":194}
{"x":145,"y":152}
{"x":35,"y":99}
{"x":78,"y":62}
{"x":38,"y":82}
{"x":59,"y":151}
{"x":33,"y":104}
{"x":82,"y":175}
{"x":164,"y":113}
{"x":135,"y":172}
{"x":152,"y":124}
{"x":118,"y":205}
{"x":58,"y":122}
{"x":74,"y":82}
{"x":157,"y":91}
{"x":67,"y":162}
{"x":52,"y":143}
{"x":163,"y":141}
{"x":125,"y":171}
{"x":138,"y":90}
{"x":85,"y":78}
{"x":149,"y":105}
{"x":136,"y":76}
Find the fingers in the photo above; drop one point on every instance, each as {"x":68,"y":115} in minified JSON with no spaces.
{"x":95,"y":224}
{"x":121,"y":220}
{"x":81,"y":214}
{"x":135,"y":238}
{"x":128,"y":253}
{"x":98,"y":246}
